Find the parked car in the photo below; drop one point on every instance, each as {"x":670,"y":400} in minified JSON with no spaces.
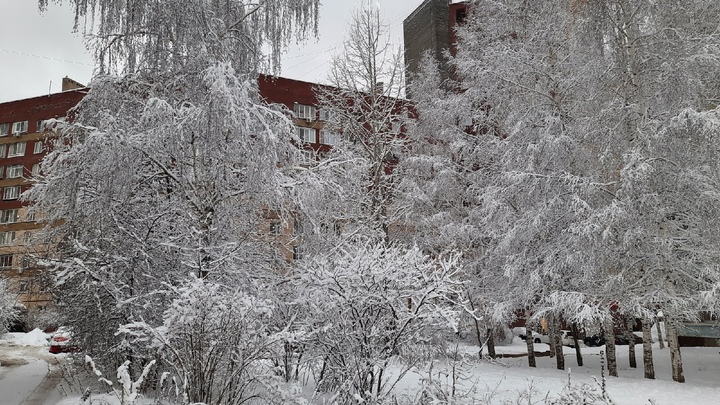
{"x":61,"y":342}
{"x":566,"y":338}
{"x":599,"y":340}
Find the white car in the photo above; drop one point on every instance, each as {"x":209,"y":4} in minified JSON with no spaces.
{"x":566,"y":338}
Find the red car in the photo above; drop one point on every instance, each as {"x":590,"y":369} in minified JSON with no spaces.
{"x":61,"y":342}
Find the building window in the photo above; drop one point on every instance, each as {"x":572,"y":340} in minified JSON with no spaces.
{"x":23,"y":287}
{"x":30,"y":215}
{"x":329,"y":114}
{"x":9,"y":216}
{"x":306,"y":135}
{"x":27,"y":237}
{"x":7,"y":238}
{"x":40,"y":126}
{"x":35,"y":169}
{"x":274,"y":228}
{"x":26,"y":262}
{"x":19,"y":128}
{"x":460,"y":15}
{"x":11,"y":193}
{"x":4,"y":129}
{"x":2,"y":151}
{"x":6,"y":261}
{"x":15,"y":171}
{"x":38,"y":147}
{"x":306,"y":112}
{"x":2,"y":171}
{"x":329,"y":138}
{"x":16,"y":149}
{"x":297,"y":253}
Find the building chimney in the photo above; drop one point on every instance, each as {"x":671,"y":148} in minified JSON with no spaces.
{"x":70,"y":84}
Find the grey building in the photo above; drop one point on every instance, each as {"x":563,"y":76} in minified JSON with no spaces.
{"x":430,"y":28}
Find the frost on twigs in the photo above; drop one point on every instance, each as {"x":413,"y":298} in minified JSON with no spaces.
{"x":373,"y":302}
{"x":127,"y":391}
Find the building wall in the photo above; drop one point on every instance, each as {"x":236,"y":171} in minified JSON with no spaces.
{"x":24,"y":277}
{"x":426,"y":30}
{"x":431,"y":28}
{"x":16,"y":263}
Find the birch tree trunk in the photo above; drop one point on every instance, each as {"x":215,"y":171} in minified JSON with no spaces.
{"x":529,"y":342}
{"x":491,"y":343}
{"x":674,"y":346}
{"x":647,"y":350}
{"x":557,"y":340}
{"x":550,"y":325}
{"x":661,"y":340}
{"x":610,"y":347}
{"x":630,"y":336}
{"x":576,"y":342}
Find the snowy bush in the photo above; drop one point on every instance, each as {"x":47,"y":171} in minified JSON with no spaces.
{"x":216,"y":346}
{"x":369,"y":303}
{"x":8,"y":306}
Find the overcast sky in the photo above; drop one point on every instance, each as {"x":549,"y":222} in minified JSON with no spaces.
{"x":38,"y":50}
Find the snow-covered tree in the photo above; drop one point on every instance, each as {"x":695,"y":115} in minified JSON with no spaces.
{"x":372,"y":303}
{"x":365,"y":107}
{"x":170,"y":162}
{"x":514,"y":130}
{"x":8,"y":306}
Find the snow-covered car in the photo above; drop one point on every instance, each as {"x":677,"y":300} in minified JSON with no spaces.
{"x":61,"y":342}
{"x":566,"y":337}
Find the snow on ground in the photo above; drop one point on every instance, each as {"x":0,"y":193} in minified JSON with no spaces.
{"x":28,"y":372}
{"x":24,"y":368}
{"x":507,"y":377}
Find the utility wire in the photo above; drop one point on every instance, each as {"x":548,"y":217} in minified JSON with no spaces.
{"x":45,"y":57}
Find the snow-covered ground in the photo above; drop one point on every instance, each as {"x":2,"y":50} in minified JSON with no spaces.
{"x":507,"y":377}
{"x":28,"y":372}
{"x":29,"y":375}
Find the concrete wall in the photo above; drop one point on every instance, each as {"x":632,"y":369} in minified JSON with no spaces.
{"x":426,"y":30}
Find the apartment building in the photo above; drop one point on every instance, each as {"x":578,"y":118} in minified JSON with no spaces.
{"x":25,"y":127}
{"x":431,"y":28}
{"x":300,"y":98}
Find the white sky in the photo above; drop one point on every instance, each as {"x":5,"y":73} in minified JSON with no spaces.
{"x":38,"y":50}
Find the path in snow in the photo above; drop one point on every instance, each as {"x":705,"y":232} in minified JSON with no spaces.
{"x":28,"y":373}
{"x":26,"y":384}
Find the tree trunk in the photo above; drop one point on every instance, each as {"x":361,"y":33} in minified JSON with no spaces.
{"x":647,"y":350}
{"x":610,"y":346}
{"x":661,"y":340}
{"x":557,"y":339}
{"x":674,"y":346}
{"x":529,"y":340}
{"x":576,"y":342}
{"x":477,"y":326}
{"x":550,"y":330}
{"x":490,"y":343}
{"x":630,"y":336}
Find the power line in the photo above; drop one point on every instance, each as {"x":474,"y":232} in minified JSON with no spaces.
{"x":45,"y":57}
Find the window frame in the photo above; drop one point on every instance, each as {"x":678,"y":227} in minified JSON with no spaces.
{"x":335,"y":136}
{"x":7,"y":238}
{"x":14,"y":147}
{"x":38,"y":147}
{"x":305,"y":130}
{"x":305,"y":111}
{"x":14,"y":171}
{"x":13,"y":195}
{"x":5,"y":216}
{"x":6,"y":261}
{"x":5,"y":129}
{"x":19,"y":128}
